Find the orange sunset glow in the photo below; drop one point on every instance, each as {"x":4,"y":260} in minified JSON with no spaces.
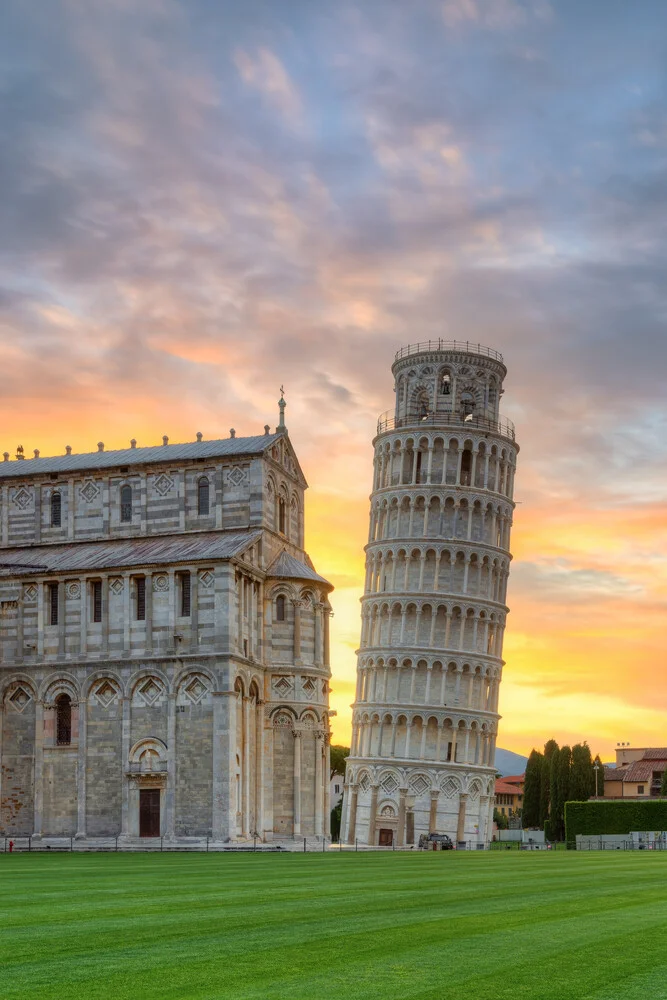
{"x":189,"y":224}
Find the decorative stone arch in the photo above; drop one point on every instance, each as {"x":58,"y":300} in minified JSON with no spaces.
{"x":282,"y":717}
{"x":420,"y":783}
{"x":309,"y":718}
{"x":450,"y":786}
{"x":18,"y":692}
{"x":194,"y":668}
{"x":93,"y":681}
{"x":194,"y":686}
{"x":143,"y":674}
{"x":151,"y":745}
{"x":56,"y":684}
{"x":25,"y":680}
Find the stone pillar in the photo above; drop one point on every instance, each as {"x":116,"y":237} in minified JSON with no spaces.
{"x":297,"y":631}
{"x":224,"y":754}
{"x":483,"y":818}
{"x":352,"y":823}
{"x":461,"y":822}
{"x":400,"y":833}
{"x":39,"y":771}
{"x":259,"y":768}
{"x":62,"y":620}
{"x":125,"y":764}
{"x":319,"y":786}
{"x":327,"y":638}
{"x":245,"y":757}
{"x":81,"y":772}
{"x":433,"y":814}
{"x":296,"y":733}
{"x":105,"y":614}
{"x":170,"y":792}
{"x":317,"y":652}
{"x":410,"y":822}
{"x":149,"y":611}
{"x":372,"y":817}
{"x":326,"y":779}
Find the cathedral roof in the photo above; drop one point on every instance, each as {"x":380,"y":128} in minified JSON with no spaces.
{"x":288,"y":567}
{"x":126,"y":552}
{"x":219,"y":448}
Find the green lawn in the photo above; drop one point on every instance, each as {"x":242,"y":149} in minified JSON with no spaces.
{"x":544,"y":926}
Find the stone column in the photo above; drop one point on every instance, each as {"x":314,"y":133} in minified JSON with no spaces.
{"x":327,"y":783}
{"x":433,"y":814}
{"x":327,"y":639}
{"x":352,"y":822}
{"x":62,"y":620}
{"x":124,"y":765}
{"x":149,"y":612}
{"x":372,"y":818}
{"x":224,"y":753}
{"x":483,"y":818}
{"x":81,"y":772}
{"x":317,"y":652}
{"x":400,"y":833}
{"x":105,"y":614}
{"x":297,"y":631}
{"x":170,"y":792}
{"x":296,"y":733}
{"x":245,"y":757}
{"x":259,"y":768}
{"x":461,"y":823}
{"x":39,"y":771}
{"x":319,"y":785}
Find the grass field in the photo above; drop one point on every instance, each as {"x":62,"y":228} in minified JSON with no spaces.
{"x":545,"y":926}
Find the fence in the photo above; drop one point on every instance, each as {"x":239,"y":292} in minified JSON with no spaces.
{"x":53,"y":845}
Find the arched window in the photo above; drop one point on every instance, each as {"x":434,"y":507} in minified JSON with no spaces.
{"x":466,"y":467}
{"x":63,"y":720}
{"x":56,"y":510}
{"x":126,"y":504}
{"x":282,"y":515}
{"x":423,"y":404}
{"x":203,"y":501}
{"x":445,"y":384}
{"x":467,"y":404}
{"x":280,"y":608}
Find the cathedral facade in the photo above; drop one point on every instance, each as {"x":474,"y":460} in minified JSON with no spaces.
{"x":164,"y":645}
{"x":430,"y":661}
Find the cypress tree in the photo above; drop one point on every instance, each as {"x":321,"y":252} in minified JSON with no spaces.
{"x":582,"y":779}
{"x":562,"y":770}
{"x":531,"y":790}
{"x":550,"y":747}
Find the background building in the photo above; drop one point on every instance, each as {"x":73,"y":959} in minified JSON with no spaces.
{"x":638,"y":773}
{"x":433,"y":612}
{"x":164,"y":644}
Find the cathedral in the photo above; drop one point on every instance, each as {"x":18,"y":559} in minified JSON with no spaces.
{"x":164,"y":645}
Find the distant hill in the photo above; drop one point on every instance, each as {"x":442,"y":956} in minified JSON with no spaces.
{"x":508,"y":762}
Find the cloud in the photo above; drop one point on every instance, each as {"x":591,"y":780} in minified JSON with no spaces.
{"x":266,"y":74}
{"x":200,"y":203}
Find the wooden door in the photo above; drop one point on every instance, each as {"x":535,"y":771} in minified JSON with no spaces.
{"x":386,"y":838}
{"x":149,"y":812}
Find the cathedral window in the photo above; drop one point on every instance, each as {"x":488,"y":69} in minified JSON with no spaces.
{"x":97,"y":600}
{"x":203,"y":497}
{"x":56,"y":510}
{"x":280,"y":608}
{"x":186,"y":594}
{"x":63,"y":720}
{"x":282,"y":516}
{"x":126,"y":504}
{"x":140,"y":598}
{"x":53,"y":603}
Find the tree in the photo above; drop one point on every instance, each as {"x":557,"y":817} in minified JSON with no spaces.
{"x":663,"y":784}
{"x":598,"y":787}
{"x":336,"y":817}
{"x":338,"y":757}
{"x":582,"y":779}
{"x":561,"y":773}
{"x":532,"y":789}
{"x":550,"y":747}
{"x":501,"y":821}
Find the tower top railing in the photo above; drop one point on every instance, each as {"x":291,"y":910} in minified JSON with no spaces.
{"x":463,"y":346}
{"x":502,"y":425}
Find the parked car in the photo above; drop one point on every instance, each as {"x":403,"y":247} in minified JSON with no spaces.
{"x":442,"y":841}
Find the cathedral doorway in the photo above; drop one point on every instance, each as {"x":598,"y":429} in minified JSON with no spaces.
{"x":149,"y":812}
{"x":386,"y":838}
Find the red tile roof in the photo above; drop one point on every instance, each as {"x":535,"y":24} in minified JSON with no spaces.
{"x":655,"y":753}
{"x":642,"y":770}
{"x":512,"y":778}
{"x":502,"y":788}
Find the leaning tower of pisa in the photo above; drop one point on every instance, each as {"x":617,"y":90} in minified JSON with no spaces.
{"x":430,"y":661}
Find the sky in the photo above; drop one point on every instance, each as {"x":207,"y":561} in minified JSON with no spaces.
{"x":203,"y":200}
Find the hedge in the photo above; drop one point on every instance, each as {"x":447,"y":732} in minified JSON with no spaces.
{"x":597,"y":818}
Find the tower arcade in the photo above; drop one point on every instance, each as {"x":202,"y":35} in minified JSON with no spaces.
{"x":433,"y":612}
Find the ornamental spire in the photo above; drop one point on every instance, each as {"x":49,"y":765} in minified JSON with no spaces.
{"x":281,"y":428}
